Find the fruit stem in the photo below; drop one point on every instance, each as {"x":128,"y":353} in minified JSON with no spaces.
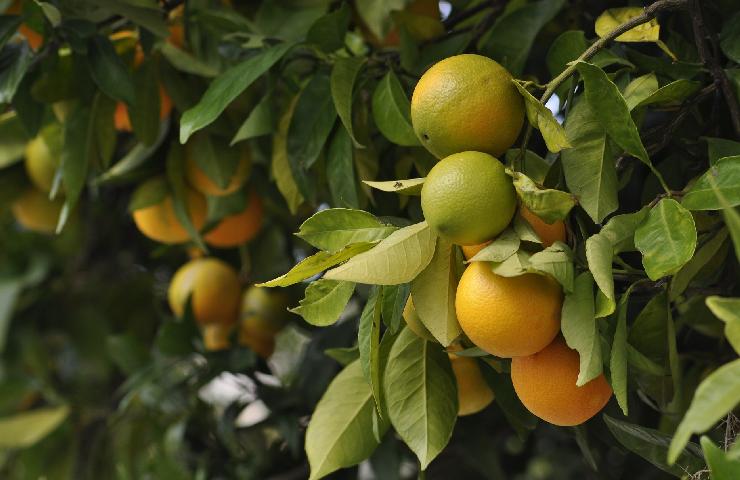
{"x":648,"y":14}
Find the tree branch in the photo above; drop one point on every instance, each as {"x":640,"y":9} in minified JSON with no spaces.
{"x":648,"y":14}
{"x":701,"y":34}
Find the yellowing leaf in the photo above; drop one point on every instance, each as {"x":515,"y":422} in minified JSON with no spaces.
{"x":612,"y":18}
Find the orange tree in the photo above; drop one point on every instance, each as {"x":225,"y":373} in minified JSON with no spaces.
{"x":369,"y":239}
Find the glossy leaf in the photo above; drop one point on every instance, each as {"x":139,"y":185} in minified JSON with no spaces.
{"x":368,"y":342}
{"x":340,"y":170}
{"x":392,"y":112}
{"x":324,"y":302}
{"x":727,"y":310}
{"x":328,"y":31}
{"x":259,"y":122}
{"x":335,"y":228}
{"x":343,"y":79}
{"x":725,"y":176}
{"x":580,"y":328}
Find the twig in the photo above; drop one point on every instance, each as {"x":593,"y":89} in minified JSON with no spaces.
{"x":720,"y":79}
{"x":648,"y":14}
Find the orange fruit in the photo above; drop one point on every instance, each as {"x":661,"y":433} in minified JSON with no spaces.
{"x":469,"y":251}
{"x":35,"y":212}
{"x":201,"y":182}
{"x":34,"y":38}
{"x":160,"y":223}
{"x":508,"y":316}
{"x":213,"y":287}
{"x":41,"y":163}
{"x":466,"y":102}
{"x":123,"y":122}
{"x":264,"y":313}
{"x":414,"y":322}
{"x":216,"y":336}
{"x":238,"y":229}
{"x":548,"y":233}
{"x":473,"y":393}
{"x":468,"y":198}
{"x":545,"y":382}
{"x":177,"y":27}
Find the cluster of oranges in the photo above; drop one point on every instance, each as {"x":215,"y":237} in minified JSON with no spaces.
{"x":466,"y":111}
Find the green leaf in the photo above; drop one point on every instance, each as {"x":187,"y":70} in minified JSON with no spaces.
{"x":335,"y":228}
{"x":324,"y":302}
{"x":666,"y":239}
{"x":214,"y":157}
{"x":412,"y":186}
{"x":612,"y":18}
{"x":108,"y":70}
{"x":8,"y":26}
{"x":599,"y":254}
{"x":589,"y":166}
{"x":280,"y":166}
{"x":259,"y":122}
{"x":13,"y":139}
{"x":144,"y":112}
{"x":176,"y":176}
{"x":149,"y":193}
{"x":310,"y":126}
{"x":542,"y":119}
{"x":730,"y":39}
{"x":534,"y":166}
{"x":10,"y":289}
{"x":25,"y":429}
{"x":524,"y":230}
{"x":618,"y":360}
{"x":730,"y":215}
{"x":145,"y":14}
{"x":620,"y":230}
{"x":394,"y":301}
{"x":503,"y":246}
{"x":672,"y":93}
{"x":317,"y":263}
{"x":687,"y":273}
{"x":649,"y":331}
{"x":421,"y":395}
{"x":725,"y":175}
{"x":513,"y":34}
{"x":652,"y":445}
{"x":135,"y":158}
{"x":721,"y":465}
{"x":611,"y":110}
{"x":368,"y":341}
{"x":15,"y":60}
{"x":328,"y":31}
{"x":433,"y":292}
{"x":376,"y":15}
{"x":344,"y":356}
{"x":548,"y":204}
{"x":340,"y":170}
{"x":727,"y":310}
{"x":186,"y":62}
{"x":506,"y":399}
{"x":580,"y":328}
{"x":75,"y":159}
{"x":715,"y":396}
{"x":556,"y":261}
{"x":343,"y":78}
{"x":392,"y":112}
{"x":720,"y":148}
{"x":340,"y":433}
{"x":226,"y":87}
{"x":398,"y":258}
{"x":639,"y":89}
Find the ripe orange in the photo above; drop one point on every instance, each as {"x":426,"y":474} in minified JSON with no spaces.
{"x":214,"y":289}
{"x":123,"y":122}
{"x":468,"y":198}
{"x":466,"y":102}
{"x":201,"y":182}
{"x":508,"y":316}
{"x":414,"y":322}
{"x":41,"y":163}
{"x":263,"y":314}
{"x":548,"y":233}
{"x":473,"y":393}
{"x":35,"y":212}
{"x":238,"y":229}
{"x":545,"y":382}
{"x":469,"y":251}
{"x":160,"y":223}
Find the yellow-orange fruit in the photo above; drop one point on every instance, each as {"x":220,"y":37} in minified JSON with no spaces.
{"x":469,"y":251}
{"x":121,"y":118}
{"x":160,"y":223}
{"x":548,"y":233}
{"x":263,"y":314}
{"x":41,"y":163}
{"x":414,"y":322}
{"x":508,"y":316}
{"x":545,"y":382}
{"x":214,"y":288}
{"x":201,"y":182}
{"x":238,"y":229}
{"x":473,"y":393}
{"x":35,"y":212}
{"x":216,"y":336}
{"x":466,"y":103}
